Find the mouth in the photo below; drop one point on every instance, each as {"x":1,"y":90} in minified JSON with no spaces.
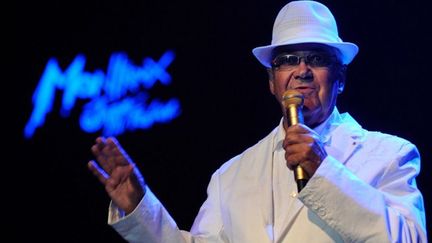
{"x":305,"y":90}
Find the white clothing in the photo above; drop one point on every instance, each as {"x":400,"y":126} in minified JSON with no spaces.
{"x":363,"y":191}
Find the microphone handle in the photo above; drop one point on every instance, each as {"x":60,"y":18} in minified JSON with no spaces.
{"x":294,"y":117}
{"x":301,"y":177}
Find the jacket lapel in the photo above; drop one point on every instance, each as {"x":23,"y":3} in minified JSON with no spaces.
{"x":342,"y":140}
{"x":345,"y":139}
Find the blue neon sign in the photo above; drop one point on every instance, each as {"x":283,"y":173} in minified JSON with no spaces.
{"x":119,"y":100}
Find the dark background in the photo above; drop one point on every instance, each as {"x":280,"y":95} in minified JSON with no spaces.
{"x":223,"y":90}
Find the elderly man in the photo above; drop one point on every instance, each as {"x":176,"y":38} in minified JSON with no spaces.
{"x":360,"y":184}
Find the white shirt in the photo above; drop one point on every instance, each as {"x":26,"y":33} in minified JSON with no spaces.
{"x":363,"y":191}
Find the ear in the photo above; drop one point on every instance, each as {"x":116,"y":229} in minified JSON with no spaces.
{"x":342,"y":78}
{"x":271,"y":80}
{"x":341,"y":85}
{"x":271,"y":86}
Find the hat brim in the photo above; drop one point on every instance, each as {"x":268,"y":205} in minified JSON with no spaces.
{"x":348,"y":50}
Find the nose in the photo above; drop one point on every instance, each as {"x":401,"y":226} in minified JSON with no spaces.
{"x":303,"y":72}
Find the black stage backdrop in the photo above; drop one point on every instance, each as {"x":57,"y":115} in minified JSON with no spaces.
{"x":225,"y":103}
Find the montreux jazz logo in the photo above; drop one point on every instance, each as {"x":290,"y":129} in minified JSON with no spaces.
{"x":118,"y":100}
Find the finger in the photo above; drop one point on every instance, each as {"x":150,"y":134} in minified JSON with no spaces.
{"x":298,"y":128}
{"x":119,"y":176}
{"x":310,"y":166}
{"x":98,"y":147}
{"x":114,"y":144}
{"x":300,"y":134}
{"x":292,"y":139}
{"x":296,"y":153}
{"x":109,"y":154}
{"x":300,"y":151}
{"x":100,"y":142}
{"x":118,"y":154}
{"x":304,"y":155}
{"x":103,"y":154}
{"x":291,"y":164}
{"x":100,"y":174}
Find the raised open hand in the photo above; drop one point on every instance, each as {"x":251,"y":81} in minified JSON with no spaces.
{"x":118,"y":173}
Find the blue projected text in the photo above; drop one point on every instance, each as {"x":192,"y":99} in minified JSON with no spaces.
{"x":118,"y":98}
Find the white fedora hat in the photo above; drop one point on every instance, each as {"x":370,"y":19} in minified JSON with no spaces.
{"x":305,"y":22}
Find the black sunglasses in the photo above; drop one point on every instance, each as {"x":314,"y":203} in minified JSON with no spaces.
{"x":314,"y":59}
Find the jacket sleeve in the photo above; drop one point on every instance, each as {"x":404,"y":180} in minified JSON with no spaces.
{"x":389,"y":208}
{"x":151,"y":222}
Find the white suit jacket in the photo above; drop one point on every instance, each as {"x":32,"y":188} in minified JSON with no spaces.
{"x":364,"y":191}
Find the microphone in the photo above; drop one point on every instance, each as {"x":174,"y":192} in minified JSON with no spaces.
{"x":293,"y":102}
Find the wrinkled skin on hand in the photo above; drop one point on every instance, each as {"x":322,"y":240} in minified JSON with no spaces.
{"x":118,"y":173}
{"x":303,"y":147}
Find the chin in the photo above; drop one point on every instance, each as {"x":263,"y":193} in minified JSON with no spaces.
{"x":312,"y":118}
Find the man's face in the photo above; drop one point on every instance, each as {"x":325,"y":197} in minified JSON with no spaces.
{"x":320,"y":84}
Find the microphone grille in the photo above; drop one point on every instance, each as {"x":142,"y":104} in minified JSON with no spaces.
{"x":292,"y":97}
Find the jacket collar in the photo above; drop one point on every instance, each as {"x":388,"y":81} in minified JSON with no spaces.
{"x":340,"y":134}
